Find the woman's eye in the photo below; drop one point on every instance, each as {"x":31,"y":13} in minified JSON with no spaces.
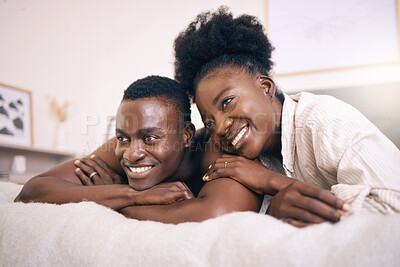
{"x":226,"y":102}
{"x":208,"y":124}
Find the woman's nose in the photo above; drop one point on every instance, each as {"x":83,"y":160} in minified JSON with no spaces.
{"x":222,"y":125}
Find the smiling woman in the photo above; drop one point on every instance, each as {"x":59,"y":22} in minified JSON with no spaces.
{"x":257,"y":111}
{"x":224,"y":64}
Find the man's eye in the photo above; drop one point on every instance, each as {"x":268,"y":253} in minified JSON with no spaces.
{"x":122,"y":138}
{"x":208,"y":124}
{"x":150,"y":138}
{"x":226,"y":102}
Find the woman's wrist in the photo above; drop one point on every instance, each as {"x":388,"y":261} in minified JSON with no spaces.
{"x":276,"y":182}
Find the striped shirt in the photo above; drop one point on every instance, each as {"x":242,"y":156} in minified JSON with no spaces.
{"x":330,"y":144}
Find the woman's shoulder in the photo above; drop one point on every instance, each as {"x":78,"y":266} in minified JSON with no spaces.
{"x":324,"y":109}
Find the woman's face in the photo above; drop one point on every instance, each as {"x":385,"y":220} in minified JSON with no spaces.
{"x":240,"y":111}
{"x":150,"y":143}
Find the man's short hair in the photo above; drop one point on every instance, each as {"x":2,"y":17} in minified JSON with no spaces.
{"x":156,"y":86}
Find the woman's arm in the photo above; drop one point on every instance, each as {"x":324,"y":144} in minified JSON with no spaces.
{"x":367,"y":169}
{"x":297,"y":202}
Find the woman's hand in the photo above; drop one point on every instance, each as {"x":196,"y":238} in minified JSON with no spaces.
{"x":302,"y":204}
{"x":93,"y":171}
{"x":250,"y":173}
{"x":164,"y":193}
{"x":298,"y":203}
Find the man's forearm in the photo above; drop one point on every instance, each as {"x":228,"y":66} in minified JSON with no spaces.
{"x":191,"y":210}
{"x":58,"y":191}
{"x":216,"y":198}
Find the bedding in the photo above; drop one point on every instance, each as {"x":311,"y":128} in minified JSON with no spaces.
{"x":88,"y":234}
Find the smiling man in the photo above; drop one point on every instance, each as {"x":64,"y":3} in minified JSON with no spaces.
{"x":154,"y":160}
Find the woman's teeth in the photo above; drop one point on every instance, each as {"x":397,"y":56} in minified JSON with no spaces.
{"x":239,"y":136}
{"x":140,"y":169}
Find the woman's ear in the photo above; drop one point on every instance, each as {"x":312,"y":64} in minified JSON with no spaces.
{"x":267,"y":85}
{"x":188,"y":134}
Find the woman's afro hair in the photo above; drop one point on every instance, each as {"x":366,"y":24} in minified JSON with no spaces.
{"x":217,"y":39}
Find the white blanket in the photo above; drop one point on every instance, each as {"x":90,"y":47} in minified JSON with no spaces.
{"x":87,"y":234}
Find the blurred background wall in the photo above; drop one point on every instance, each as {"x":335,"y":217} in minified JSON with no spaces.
{"x":87,"y":52}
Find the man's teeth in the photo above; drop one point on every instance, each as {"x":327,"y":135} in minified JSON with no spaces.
{"x":140,"y":169}
{"x":239,"y":136}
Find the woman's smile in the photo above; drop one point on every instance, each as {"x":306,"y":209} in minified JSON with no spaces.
{"x":239,"y":111}
{"x":241,"y":136}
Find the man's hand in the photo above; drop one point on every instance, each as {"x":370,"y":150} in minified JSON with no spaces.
{"x":93,"y":171}
{"x":302,"y":204}
{"x":164,"y":193}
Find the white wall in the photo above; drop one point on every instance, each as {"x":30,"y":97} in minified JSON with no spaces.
{"x":88,"y":51}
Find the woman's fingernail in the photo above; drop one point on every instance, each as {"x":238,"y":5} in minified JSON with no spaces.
{"x":77,"y":161}
{"x":346,"y":207}
{"x":209,"y":167}
{"x":205,"y":177}
{"x":77,"y":170}
{"x":342,"y":217}
{"x":92,"y":156}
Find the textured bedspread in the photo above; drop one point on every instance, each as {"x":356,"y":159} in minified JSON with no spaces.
{"x":87,"y":234}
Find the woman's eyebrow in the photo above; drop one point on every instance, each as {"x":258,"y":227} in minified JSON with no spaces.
{"x":219,"y":95}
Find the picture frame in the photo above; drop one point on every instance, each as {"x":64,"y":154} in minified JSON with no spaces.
{"x":15,"y":116}
{"x":332,"y":35}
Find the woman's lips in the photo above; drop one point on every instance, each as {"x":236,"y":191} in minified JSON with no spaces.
{"x":239,"y":136}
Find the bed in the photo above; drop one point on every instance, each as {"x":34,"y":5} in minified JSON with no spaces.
{"x":88,"y":234}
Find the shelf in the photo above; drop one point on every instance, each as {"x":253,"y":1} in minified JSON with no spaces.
{"x":46,"y":151}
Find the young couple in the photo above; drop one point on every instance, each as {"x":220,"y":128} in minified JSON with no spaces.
{"x":314,"y":158}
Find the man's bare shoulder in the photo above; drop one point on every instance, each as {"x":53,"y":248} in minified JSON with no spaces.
{"x":231,"y":195}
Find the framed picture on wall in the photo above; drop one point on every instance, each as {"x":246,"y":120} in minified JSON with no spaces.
{"x":15,"y":116}
{"x":315,"y":35}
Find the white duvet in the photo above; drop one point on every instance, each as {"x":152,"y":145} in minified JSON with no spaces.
{"x":87,"y":234}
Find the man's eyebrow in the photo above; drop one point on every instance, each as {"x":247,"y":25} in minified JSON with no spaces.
{"x":120,"y":131}
{"x":149,"y":130}
{"x":219,"y":95}
{"x":141,"y":131}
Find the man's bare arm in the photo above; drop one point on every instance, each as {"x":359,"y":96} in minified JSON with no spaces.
{"x":61,"y":185}
{"x":215,"y":198}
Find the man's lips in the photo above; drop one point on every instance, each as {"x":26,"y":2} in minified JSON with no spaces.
{"x":140,"y":169}
{"x":137,"y":170}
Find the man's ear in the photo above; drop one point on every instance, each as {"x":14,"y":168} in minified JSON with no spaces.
{"x":267,"y":85}
{"x":188,"y":134}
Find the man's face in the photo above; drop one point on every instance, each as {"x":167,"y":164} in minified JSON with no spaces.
{"x":150,"y":143}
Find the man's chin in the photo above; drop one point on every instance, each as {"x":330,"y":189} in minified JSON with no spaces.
{"x":140,"y":187}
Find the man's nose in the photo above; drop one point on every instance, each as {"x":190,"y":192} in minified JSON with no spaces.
{"x":135,"y":152}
